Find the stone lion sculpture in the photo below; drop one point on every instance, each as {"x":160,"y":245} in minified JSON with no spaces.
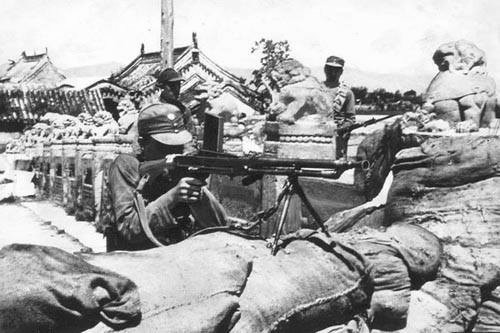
{"x":37,"y":134}
{"x":49,"y":117}
{"x":39,"y":130}
{"x":213,"y":97}
{"x":300,"y":94}
{"x":62,"y":126}
{"x":84,"y":131}
{"x":462,"y":90}
{"x":54,"y":126}
{"x":105,"y":125}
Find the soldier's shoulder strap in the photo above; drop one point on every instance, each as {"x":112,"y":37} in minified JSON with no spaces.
{"x":140,"y":206}
{"x":340,"y":98}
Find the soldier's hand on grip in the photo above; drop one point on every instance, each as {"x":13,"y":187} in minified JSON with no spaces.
{"x":188,"y":190}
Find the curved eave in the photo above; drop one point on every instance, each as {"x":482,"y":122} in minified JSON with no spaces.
{"x":142,"y":57}
{"x":129,"y":68}
{"x":107,"y":84}
{"x":228,"y":75}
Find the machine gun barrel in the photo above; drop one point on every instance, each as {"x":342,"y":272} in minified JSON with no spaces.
{"x":253,"y":168}
{"x":234,"y":166}
{"x":350,"y":128}
{"x":264,"y":162}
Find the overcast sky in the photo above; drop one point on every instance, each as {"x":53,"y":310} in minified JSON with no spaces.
{"x":379,"y":36}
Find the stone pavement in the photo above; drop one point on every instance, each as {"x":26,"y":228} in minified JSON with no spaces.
{"x":43,"y":223}
{"x":83,"y":232}
{"x":20,"y":225}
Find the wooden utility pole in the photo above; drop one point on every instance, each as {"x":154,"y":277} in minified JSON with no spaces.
{"x":167,"y":33}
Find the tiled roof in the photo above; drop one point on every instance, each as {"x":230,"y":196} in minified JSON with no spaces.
{"x":141,"y":71}
{"x":195,"y":67}
{"x":30,"y":69}
{"x":32,"y":104}
{"x":4,"y":68}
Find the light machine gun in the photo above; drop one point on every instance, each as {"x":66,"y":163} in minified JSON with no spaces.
{"x":348,"y":129}
{"x":206,"y":162}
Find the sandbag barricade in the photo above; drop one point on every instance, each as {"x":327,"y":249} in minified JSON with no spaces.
{"x":45,"y":289}
{"x":450,"y":186}
{"x":403,"y":257}
{"x":221,"y":282}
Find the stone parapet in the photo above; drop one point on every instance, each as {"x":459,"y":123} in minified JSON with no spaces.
{"x":84,"y":203}
{"x":56,"y":172}
{"x":69,"y":174}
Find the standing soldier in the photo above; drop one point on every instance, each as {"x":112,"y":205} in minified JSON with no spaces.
{"x":169,"y":82}
{"x":343,"y":101}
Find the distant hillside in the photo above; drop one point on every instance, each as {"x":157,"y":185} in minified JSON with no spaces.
{"x":103,"y":70}
{"x":356,"y":77}
{"x":389,"y":81}
{"x":353,"y":76}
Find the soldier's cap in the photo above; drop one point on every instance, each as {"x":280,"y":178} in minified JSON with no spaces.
{"x":335,"y":61}
{"x":168,"y":75}
{"x":164,"y":123}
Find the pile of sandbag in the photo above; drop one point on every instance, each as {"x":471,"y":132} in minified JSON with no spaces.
{"x":45,"y":289}
{"x":450,"y":186}
{"x":402,"y":258}
{"x":221,"y":282}
{"x":399,"y":276}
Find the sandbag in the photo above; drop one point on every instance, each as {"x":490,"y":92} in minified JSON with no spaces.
{"x":356,"y":218}
{"x":221,"y":282}
{"x":402,"y":257}
{"x":451,"y":186}
{"x":45,"y":289}
{"x":488,"y":319}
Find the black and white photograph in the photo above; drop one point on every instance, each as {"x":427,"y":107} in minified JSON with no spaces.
{"x":264,"y":166}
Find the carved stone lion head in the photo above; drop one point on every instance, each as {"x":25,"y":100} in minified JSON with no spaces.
{"x":289,"y":72}
{"x":459,"y":56}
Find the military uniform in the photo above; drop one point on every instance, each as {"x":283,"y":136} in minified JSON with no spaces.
{"x":343,"y":112}
{"x":165,"y":124}
{"x":168,"y":225}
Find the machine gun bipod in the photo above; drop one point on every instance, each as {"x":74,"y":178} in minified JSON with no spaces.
{"x":290,"y":188}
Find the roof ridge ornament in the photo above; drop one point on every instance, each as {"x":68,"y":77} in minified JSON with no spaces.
{"x":195,"y":53}
{"x":195,"y":40}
